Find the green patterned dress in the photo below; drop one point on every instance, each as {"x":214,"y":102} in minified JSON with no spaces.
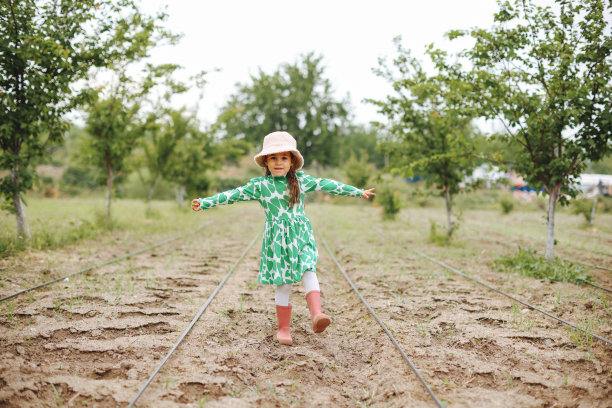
{"x":288,"y":248}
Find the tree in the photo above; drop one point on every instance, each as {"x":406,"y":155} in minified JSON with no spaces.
{"x":45,"y":48}
{"x":296,"y":98}
{"x":115,"y":122}
{"x":428,"y":130}
{"x":159,"y":145}
{"x":359,"y":170}
{"x":547,"y":75}
{"x":195,"y":154}
{"x":112,"y":131}
{"x":356,"y":138}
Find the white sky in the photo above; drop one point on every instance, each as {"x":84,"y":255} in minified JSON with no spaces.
{"x":239,"y":37}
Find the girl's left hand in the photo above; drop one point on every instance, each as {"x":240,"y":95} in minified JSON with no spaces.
{"x":368,"y":193}
{"x":195,"y":205}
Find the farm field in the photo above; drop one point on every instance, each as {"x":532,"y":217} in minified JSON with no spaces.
{"x":95,"y":339}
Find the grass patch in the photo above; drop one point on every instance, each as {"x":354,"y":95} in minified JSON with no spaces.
{"x":45,"y":238}
{"x":529,"y":263}
{"x":55,"y":223}
{"x":436,"y":237}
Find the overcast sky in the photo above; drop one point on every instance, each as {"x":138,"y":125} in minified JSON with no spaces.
{"x":240,"y":37}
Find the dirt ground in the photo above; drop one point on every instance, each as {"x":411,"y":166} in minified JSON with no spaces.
{"x":94,"y":340}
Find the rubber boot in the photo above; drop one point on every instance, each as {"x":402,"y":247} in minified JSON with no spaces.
{"x":320,"y":321}
{"x":283,"y":314}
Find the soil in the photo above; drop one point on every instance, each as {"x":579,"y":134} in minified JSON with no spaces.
{"x":94,"y":340}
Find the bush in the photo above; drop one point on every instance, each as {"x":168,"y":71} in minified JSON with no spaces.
{"x":359,"y":171}
{"x":390,"y":202}
{"x":529,"y":263}
{"x":583,"y":207}
{"x":506,"y":204}
{"x":103,"y":223}
{"x":606,"y":204}
{"x":76,"y":179}
{"x":437,"y":238}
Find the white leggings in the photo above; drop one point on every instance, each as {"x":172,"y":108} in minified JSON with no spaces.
{"x":283,"y":291}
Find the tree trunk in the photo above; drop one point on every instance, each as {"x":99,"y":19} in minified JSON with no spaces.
{"x":23,"y":229}
{"x":449,"y":224}
{"x":150,"y":195}
{"x":552,"y":203}
{"x":179,"y":195}
{"x":592,"y":219}
{"x":109,"y":186}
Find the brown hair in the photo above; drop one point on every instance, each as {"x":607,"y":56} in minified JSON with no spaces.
{"x":292,"y":182}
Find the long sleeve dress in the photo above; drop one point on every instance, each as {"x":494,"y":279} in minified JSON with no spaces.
{"x":288,"y":249}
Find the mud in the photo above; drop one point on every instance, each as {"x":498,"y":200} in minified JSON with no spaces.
{"x":95,"y":340}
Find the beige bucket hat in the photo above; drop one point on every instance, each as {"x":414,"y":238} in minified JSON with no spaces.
{"x":277,"y":142}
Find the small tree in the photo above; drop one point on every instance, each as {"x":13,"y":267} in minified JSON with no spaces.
{"x":194,"y":155}
{"x":115,"y":123}
{"x":112,"y":131}
{"x":547,"y":76}
{"x":429,"y":130}
{"x":45,"y":47}
{"x":359,"y":171}
{"x":296,"y":98}
{"x":159,"y":145}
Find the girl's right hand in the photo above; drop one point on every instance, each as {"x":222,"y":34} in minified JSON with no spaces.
{"x":195,"y":205}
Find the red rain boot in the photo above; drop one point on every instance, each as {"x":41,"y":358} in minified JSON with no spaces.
{"x":283,"y":314}
{"x":320,"y":321}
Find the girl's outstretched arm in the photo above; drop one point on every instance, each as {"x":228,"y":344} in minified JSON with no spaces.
{"x":368,"y":193}
{"x":333,"y":187}
{"x":250,"y":191}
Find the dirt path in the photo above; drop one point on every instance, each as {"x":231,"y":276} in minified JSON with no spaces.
{"x":94,"y":341}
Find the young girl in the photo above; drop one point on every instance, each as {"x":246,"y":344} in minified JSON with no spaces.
{"x":289,"y":253}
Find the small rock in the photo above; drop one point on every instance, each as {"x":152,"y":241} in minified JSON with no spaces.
{"x":126,"y":365}
{"x":20,"y":350}
{"x":525,"y":311}
{"x":101,"y":370}
{"x":548,"y":342}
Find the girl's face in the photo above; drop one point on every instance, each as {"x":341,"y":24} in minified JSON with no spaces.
{"x":279,"y":163}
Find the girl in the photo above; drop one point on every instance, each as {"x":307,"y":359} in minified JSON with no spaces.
{"x":289,"y":253}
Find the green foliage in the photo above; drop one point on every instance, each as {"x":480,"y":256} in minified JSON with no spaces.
{"x":602,"y":166}
{"x":584,"y":207}
{"x":46,"y":47}
{"x":390,"y":202}
{"x":296,"y":98}
{"x":77,"y":178}
{"x":64,"y":221}
{"x":529,"y":263}
{"x":47,"y":238}
{"x":227,"y":183}
{"x":429,"y":131}
{"x":358,"y":138}
{"x":507,"y":205}
{"x":583,"y":338}
{"x":164,"y":131}
{"x":437,"y":238}
{"x":606,"y":204}
{"x":194,"y":156}
{"x":115,"y":120}
{"x":547,"y":74}
{"x":359,"y":171}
